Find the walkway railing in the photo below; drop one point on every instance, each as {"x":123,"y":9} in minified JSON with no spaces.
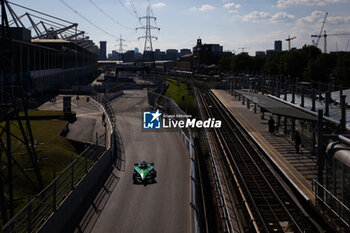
{"x":35,"y":214}
{"x":39,"y":209}
{"x":331,"y":202}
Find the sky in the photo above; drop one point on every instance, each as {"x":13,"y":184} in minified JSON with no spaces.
{"x":253,"y":25}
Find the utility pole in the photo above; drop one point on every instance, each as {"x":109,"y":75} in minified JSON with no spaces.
{"x":121,"y":45}
{"x":148,"y":28}
{"x":289,"y":39}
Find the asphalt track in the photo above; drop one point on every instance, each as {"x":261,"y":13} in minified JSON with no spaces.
{"x":160,"y":207}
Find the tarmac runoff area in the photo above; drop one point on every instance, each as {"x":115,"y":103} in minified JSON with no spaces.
{"x":88,"y":123}
{"x":160,"y":207}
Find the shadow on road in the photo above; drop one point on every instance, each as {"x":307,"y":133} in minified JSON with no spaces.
{"x":94,"y":205}
{"x":120,"y":153}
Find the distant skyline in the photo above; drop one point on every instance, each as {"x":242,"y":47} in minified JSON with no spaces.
{"x":254,"y":25}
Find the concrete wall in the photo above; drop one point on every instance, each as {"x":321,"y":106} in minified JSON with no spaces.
{"x":59,"y":219}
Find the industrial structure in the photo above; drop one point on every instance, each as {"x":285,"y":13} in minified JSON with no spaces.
{"x":103,"y":50}
{"x":148,"y":28}
{"x":289,"y":39}
{"x":48,"y":52}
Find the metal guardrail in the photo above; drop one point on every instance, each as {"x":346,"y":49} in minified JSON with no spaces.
{"x":38,"y":210}
{"x":170,"y":107}
{"x":31,"y":217}
{"x":331,"y":202}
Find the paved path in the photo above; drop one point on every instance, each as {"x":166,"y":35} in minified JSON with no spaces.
{"x":88,"y":123}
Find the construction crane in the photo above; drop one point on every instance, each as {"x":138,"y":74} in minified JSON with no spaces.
{"x":325,"y":35}
{"x":319,"y":34}
{"x":289,"y":40}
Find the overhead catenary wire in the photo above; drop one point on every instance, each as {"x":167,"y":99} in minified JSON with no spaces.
{"x":107,"y":15}
{"x":87,"y":20}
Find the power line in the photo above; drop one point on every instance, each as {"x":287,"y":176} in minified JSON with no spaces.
{"x":87,"y":20}
{"x":134,"y":9}
{"x":107,"y":15}
{"x":128,"y":10}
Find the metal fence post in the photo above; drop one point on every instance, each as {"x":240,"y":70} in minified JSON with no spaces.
{"x":29,"y":219}
{"x":302,"y":97}
{"x":326,"y":112}
{"x":313,"y":100}
{"x":54,"y":191}
{"x":72,"y":174}
{"x":285,"y":90}
{"x":343,"y":112}
{"x":86,"y":164}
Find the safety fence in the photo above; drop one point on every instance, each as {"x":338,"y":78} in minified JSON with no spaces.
{"x":38,"y":210}
{"x":168,"y":106}
{"x":329,"y":201}
{"x":44,"y":205}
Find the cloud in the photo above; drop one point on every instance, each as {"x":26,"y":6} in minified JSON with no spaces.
{"x":159,"y":4}
{"x":256,"y":16}
{"x":287,"y":3}
{"x":261,"y":16}
{"x":228,"y":5}
{"x":282,"y":17}
{"x":205,"y":7}
{"x":337,"y":1}
{"x":238,"y":6}
{"x":233,"y":11}
{"x":315,"y":17}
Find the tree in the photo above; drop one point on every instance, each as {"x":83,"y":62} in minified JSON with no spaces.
{"x":342,"y":69}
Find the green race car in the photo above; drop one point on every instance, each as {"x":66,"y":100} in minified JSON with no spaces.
{"x":144,"y":173}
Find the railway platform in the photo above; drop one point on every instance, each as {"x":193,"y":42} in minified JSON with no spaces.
{"x":299,"y":168}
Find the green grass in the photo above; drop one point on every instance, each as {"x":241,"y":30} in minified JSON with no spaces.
{"x":54,"y":153}
{"x":43,"y":113}
{"x":181,"y":93}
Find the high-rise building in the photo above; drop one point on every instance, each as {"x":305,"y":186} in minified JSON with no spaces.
{"x":206,"y":54}
{"x":184,"y":52}
{"x":260,"y":53}
{"x":172,"y":54}
{"x":129,"y":56}
{"x":278,"y":45}
{"x":103,"y":50}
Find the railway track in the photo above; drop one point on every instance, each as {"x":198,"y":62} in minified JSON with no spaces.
{"x":269,"y":207}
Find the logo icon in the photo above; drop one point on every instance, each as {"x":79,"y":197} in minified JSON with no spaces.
{"x":151,"y":120}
